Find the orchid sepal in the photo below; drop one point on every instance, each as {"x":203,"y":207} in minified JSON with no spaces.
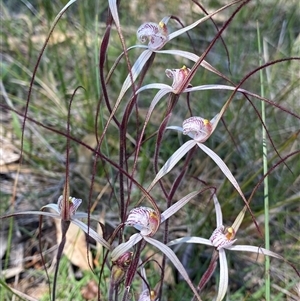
{"x":177,"y":206}
{"x":223,"y":282}
{"x":125,"y":246}
{"x":171,"y":162}
{"x":174,"y":259}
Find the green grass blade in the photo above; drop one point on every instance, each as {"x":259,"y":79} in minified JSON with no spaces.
{"x":265,"y":170}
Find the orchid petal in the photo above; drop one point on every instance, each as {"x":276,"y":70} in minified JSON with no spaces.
{"x":172,"y":161}
{"x":177,"y":206}
{"x":124,"y":247}
{"x":221,"y":87}
{"x":145,"y":295}
{"x":53,"y":207}
{"x":159,"y":95}
{"x":44,"y":213}
{"x":187,"y":28}
{"x":254,"y":249}
{"x":91,"y":233}
{"x":217,"y":87}
{"x":237,"y":222}
{"x":172,"y":256}
{"x":191,"y":240}
{"x":224,"y":168}
{"x":154,"y":86}
{"x":193,"y":57}
{"x":223,"y":284}
{"x":114,"y":11}
{"x":62,"y":11}
{"x":185,"y":54}
{"x":135,"y":71}
{"x":219,"y":217}
{"x":174,"y":127}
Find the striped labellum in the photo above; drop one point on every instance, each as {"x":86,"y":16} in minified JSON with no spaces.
{"x":222,"y":238}
{"x":197,"y":128}
{"x":156,"y":34}
{"x":144,"y":219}
{"x":178,"y":76}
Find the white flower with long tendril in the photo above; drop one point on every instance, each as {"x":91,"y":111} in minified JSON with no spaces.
{"x":147,"y":221}
{"x":72,"y":215}
{"x":223,"y":238}
{"x":199,"y":130}
{"x":179,"y":76}
{"x":158,"y":36}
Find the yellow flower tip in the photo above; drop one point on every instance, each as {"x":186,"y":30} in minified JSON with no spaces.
{"x":206,"y":121}
{"x":152,"y":295}
{"x":230,"y":233}
{"x":153,"y":214}
{"x":161,"y":24}
{"x":183,"y":67}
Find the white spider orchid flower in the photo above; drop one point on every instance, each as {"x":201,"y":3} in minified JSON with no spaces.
{"x":158,"y":36}
{"x":223,"y":238}
{"x":179,"y":76}
{"x":199,"y":130}
{"x":147,"y":221}
{"x":72,"y":216}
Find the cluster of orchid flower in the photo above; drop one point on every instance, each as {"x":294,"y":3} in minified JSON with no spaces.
{"x":124,"y":262}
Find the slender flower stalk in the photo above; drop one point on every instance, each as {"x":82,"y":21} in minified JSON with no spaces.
{"x":223,"y":238}
{"x":147,"y":222}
